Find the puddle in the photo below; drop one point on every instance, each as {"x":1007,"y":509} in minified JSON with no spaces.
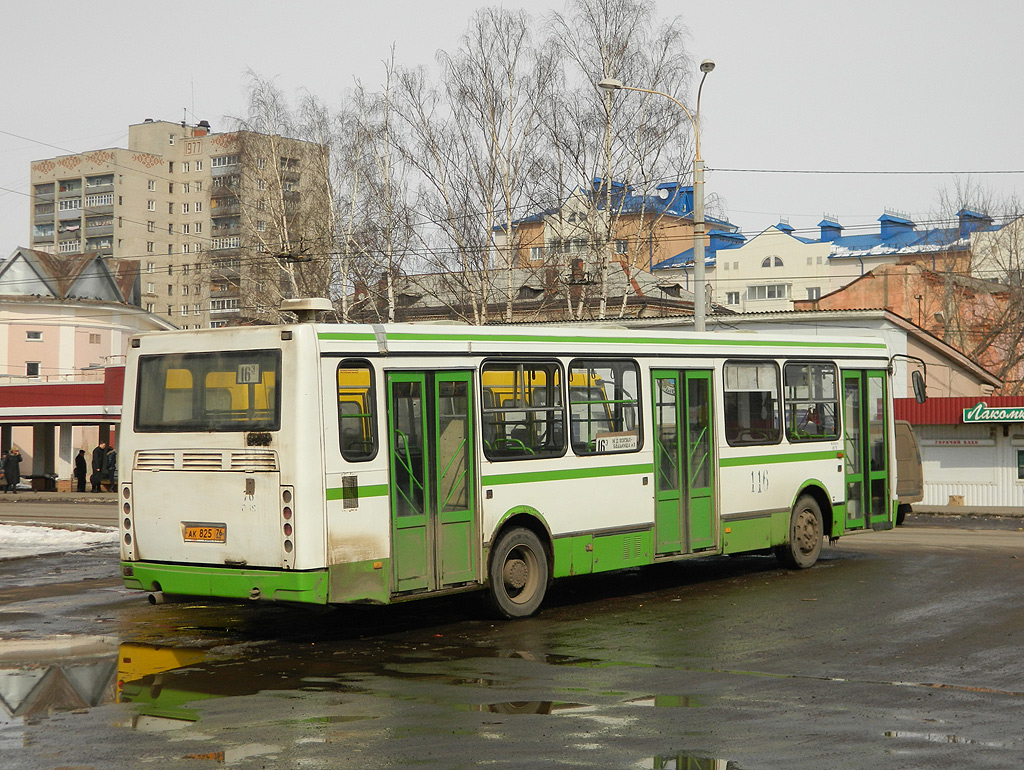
{"x":63,"y":673}
{"x":946,"y":738}
{"x":689,"y":762}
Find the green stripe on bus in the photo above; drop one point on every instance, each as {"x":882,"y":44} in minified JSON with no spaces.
{"x":710,"y":341}
{"x":799,"y":457}
{"x":566,"y":475}
{"x":347,"y":336}
{"x":370,"y":490}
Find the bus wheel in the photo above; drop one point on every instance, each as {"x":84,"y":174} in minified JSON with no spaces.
{"x":518,"y":574}
{"x":806,"y":531}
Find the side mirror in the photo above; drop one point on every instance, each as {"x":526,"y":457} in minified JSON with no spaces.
{"x":919,"y":388}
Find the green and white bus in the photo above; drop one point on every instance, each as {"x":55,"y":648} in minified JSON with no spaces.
{"x":331,"y":464}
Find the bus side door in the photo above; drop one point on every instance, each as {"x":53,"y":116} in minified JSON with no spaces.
{"x":866,"y":448}
{"x":683,"y":461}
{"x":432,"y":479}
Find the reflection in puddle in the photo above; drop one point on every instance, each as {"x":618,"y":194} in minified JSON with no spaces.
{"x":687,"y":762}
{"x":40,"y":677}
{"x":944,"y":738}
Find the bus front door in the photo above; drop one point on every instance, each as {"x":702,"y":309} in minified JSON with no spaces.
{"x":683,"y":461}
{"x":432,"y":484}
{"x":866,"y":448}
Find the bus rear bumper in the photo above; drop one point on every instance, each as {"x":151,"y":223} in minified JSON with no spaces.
{"x":227,"y":582}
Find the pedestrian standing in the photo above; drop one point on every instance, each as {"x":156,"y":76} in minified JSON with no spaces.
{"x":110,"y":466}
{"x":81,"y":469}
{"x":97,"y":466}
{"x":12,"y":470}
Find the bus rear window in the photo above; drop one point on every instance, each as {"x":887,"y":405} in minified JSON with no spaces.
{"x":198,"y":392}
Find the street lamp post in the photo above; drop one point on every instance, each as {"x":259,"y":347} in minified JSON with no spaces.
{"x":699,"y":296}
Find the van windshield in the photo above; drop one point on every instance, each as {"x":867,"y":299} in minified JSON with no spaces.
{"x":222,"y":391}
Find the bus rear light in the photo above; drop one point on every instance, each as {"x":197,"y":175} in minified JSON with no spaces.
{"x":287,"y":495}
{"x":288,"y":546}
{"x":127,"y":523}
{"x":288,"y":530}
{"x":127,"y":538}
{"x":287,"y":513}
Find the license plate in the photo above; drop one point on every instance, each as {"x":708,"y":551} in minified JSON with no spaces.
{"x":204,"y":533}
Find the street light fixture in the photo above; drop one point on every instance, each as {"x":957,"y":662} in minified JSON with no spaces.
{"x":610,"y":84}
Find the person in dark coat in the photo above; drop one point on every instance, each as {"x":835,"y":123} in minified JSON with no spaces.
{"x":81,"y":469}
{"x":12,"y":470}
{"x":97,"y":466}
{"x":110,"y":466}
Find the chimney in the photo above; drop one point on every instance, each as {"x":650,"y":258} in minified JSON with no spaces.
{"x":830,"y":228}
{"x":202,"y":129}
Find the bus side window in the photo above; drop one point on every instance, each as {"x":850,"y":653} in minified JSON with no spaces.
{"x":357,"y":422}
{"x":751,"y":396}
{"x":522,"y":410}
{"x":603,"y":406}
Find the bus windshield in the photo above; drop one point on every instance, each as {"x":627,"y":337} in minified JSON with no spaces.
{"x":221,"y":391}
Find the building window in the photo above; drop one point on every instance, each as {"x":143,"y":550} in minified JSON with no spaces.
{"x":261,"y":184}
{"x":184,"y":208}
{"x":170,"y":249}
{"x":199,"y":206}
{"x":150,"y":267}
{"x":185,"y":229}
{"x":170,"y":188}
{"x":152,"y":185}
{"x":184,"y":290}
{"x":100,"y":199}
{"x":149,"y":287}
{"x":151,"y":205}
{"x":170,"y":310}
{"x":71,"y":204}
{"x":1020,"y":464}
{"x":769,"y":291}
{"x":149,"y":307}
{"x":199,"y":188}
{"x":195,"y":311}
{"x":621,"y":246}
{"x":34,"y":336}
{"x":751,"y":402}
{"x":199,"y":225}
{"x":170,"y":270}
{"x":732,"y":298}
{"x":260,"y":225}
{"x":94,"y":339}
{"x":170,"y":208}
{"x":184,"y":310}
{"x":170,"y":167}
{"x":223,"y":160}
{"x":185,"y":169}
{"x":170,"y":139}
{"x":199,"y":165}
{"x":150,"y":246}
{"x":814,"y":292}
{"x":261,"y":163}
{"x":771,"y":262}
{"x":31,"y":368}
{"x":170,"y":290}
{"x":170,"y":229}
{"x":70,"y":247}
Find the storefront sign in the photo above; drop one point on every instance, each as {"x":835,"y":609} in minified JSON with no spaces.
{"x":982,"y":413}
{"x":957,"y":442}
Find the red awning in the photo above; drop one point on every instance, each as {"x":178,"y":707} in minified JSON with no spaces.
{"x":948,"y":411}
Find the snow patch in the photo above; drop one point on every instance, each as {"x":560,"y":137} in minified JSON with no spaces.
{"x":17,"y":541}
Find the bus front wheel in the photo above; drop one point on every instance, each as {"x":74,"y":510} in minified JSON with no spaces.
{"x":806,"y":532}
{"x":518,"y":575}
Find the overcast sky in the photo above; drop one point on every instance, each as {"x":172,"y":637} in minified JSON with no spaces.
{"x":805,"y":85}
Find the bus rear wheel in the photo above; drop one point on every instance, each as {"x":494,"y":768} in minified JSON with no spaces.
{"x":518,"y":575}
{"x":806,"y":532}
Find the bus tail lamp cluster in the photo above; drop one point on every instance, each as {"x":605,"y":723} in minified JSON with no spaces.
{"x":127,"y":522}
{"x":287,"y":525}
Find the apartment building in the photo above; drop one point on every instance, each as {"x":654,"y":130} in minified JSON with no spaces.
{"x":209,"y":217}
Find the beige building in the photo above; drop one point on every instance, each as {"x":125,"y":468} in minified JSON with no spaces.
{"x":204,"y":214}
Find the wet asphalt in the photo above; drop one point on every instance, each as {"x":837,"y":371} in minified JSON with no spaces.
{"x":899,"y":649}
